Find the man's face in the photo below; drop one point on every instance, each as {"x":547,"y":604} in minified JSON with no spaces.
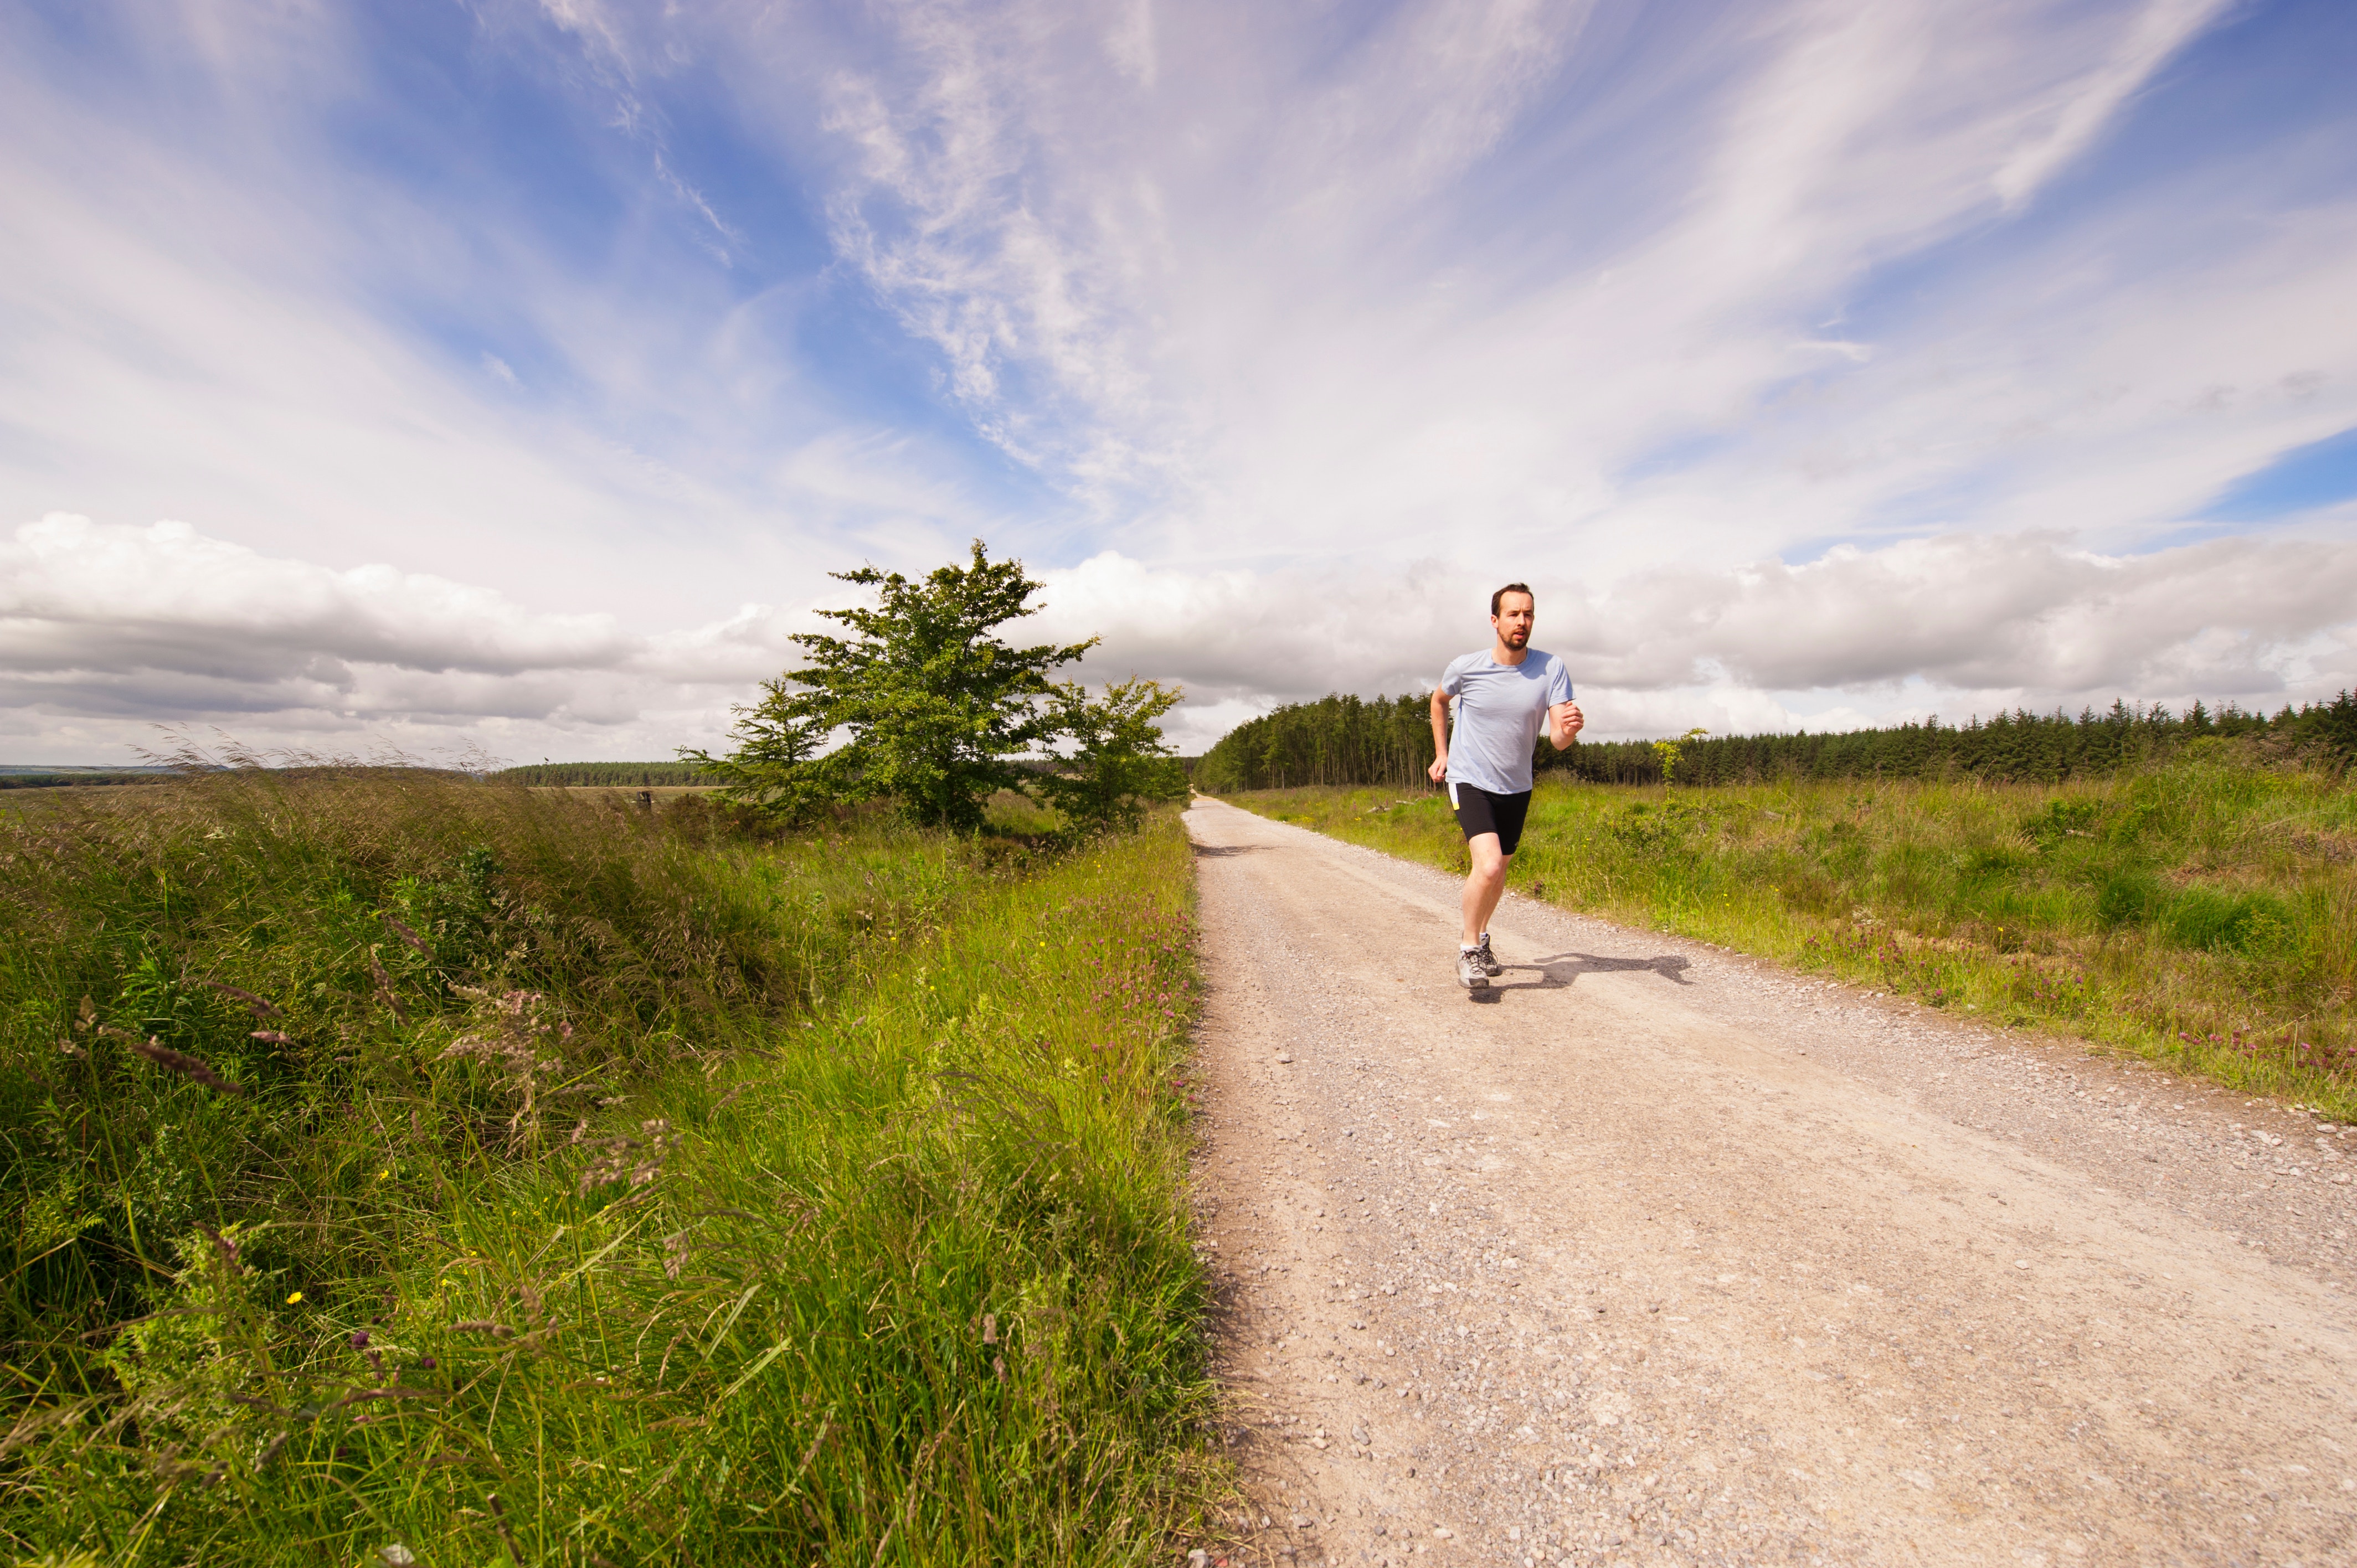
{"x":1513,"y":620}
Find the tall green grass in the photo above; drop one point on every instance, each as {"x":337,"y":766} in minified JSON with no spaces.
{"x":2203,"y":912}
{"x":606,"y":1191}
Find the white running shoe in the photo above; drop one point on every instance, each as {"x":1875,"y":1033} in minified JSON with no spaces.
{"x":1490,"y":964}
{"x":1469,"y":973}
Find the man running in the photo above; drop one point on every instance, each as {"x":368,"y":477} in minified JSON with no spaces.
{"x":1503,"y":696}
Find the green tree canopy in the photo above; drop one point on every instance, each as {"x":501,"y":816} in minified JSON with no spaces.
{"x":935,"y":704}
{"x":1119,"y":763}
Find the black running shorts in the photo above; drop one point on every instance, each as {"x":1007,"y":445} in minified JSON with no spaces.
{"x":1480,"y":811}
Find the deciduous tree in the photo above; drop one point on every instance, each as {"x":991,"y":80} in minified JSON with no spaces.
{"x":1119,"y":763}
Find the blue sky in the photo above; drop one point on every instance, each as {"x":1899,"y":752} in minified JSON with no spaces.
{"x":510,"y":375}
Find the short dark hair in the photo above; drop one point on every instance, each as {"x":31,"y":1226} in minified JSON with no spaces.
{"x":1522,"y":589}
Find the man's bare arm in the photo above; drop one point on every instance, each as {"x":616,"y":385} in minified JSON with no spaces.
{"x":1439,"y":768}
{"x":1564,"y":721}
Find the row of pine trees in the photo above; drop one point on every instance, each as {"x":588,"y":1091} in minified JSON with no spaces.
{"x":1388,"y":741}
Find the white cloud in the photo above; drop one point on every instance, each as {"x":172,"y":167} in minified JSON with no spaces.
{"x":105,"y":629}
{"x":1300,"y":326}
{"x":76,"y":596}
{"x":2159,"y":29}
{"x":1956,"y":624}
{"x":2013,"y":613}
{"x":223,"y":320}
{"x":1436,"y":281}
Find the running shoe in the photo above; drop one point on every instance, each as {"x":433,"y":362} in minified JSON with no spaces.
{"x":1490,"y":964}
{"x":1469,"y":973}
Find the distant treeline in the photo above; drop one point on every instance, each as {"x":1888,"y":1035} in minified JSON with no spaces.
{"x":1334,"y":740}
{"x":1348,"y":740}
{"x":50,"y":777}
{"x":607,"y":775}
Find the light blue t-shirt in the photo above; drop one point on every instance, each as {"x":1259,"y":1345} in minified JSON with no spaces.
{"x":1501,"y":712}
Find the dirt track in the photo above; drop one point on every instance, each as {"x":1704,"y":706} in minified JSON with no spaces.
{"x":1660,"y":1256}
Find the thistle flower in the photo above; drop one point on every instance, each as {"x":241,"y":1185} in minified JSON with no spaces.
{"x":224,"y":1245}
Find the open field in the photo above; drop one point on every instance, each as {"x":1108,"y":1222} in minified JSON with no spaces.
{"x":515,"y":1178}
{"x":2203,"y":913}
{"x":19,"y":776}
{"x":42,"y":797}
{"x":628,"y":796}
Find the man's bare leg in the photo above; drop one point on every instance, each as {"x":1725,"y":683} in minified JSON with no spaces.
{"x":1484,"y":886}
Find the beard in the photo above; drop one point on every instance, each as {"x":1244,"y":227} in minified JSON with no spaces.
{"x":1517,"y":638}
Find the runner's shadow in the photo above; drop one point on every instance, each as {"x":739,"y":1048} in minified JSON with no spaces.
{"x":1564,"y":970}
{"x":1207,"y":849}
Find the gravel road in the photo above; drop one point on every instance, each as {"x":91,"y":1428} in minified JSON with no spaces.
{"x":1655,"y":1253}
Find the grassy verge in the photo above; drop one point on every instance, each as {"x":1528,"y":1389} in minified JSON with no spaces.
{"x":600,"y":1190}
{"x":2203,"y":913}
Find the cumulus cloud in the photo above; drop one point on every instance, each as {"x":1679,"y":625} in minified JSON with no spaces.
{"x":2016,"y":613}
{"x":106,"y":628}
{"x":76,"y":596}
{"x":1956,"y":624}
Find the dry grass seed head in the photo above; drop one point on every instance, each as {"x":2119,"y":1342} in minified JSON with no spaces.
{"x":186,"y":1065}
